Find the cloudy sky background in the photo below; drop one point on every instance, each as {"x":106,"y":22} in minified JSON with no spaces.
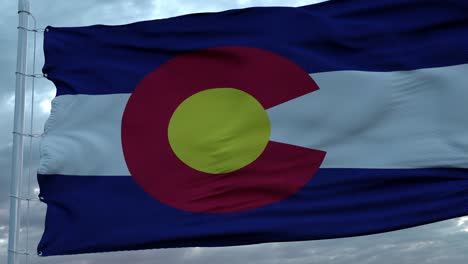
{"x":443,"y":242}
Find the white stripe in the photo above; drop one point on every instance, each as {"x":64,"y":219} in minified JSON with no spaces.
{"x":411,"y":119}
{"x":82,"y":136}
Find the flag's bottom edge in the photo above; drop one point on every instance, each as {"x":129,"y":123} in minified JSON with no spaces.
{"x":89,"y":214}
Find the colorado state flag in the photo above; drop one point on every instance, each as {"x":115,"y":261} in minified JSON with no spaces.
{"x":339,"y":119}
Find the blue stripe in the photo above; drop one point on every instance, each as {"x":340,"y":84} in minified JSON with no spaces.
{"x":109,"y":213}
{"x":366,"y":35}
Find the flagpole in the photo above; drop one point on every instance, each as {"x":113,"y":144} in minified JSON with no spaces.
{"x":18,"y":132}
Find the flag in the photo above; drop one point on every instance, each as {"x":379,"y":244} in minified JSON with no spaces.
{"x":263,"y":124}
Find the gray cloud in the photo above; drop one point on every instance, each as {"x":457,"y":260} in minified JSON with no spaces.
{"x":436,"y":243}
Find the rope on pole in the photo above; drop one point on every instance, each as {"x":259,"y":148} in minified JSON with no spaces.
{"x":19,"y":134}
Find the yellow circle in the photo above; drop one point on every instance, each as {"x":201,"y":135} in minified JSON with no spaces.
{"x":219,"y":130}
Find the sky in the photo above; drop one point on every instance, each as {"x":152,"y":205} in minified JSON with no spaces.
{"x":442,"y":242}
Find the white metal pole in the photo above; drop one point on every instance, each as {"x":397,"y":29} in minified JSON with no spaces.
{"x":18,"y":131}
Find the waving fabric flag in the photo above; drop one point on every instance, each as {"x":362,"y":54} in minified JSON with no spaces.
{"x":266,"y":124}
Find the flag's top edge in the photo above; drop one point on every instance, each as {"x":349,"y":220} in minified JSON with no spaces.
{"x":361,"y":35}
